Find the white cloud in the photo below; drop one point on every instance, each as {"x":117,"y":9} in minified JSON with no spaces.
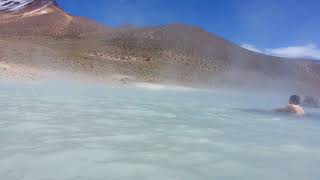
{"x":306,"y":51}
{"x":251,"y":48}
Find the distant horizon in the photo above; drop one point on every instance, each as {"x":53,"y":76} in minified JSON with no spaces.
{"x":248,"y":23}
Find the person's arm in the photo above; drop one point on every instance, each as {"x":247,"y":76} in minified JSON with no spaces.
{"x":285,"y":109}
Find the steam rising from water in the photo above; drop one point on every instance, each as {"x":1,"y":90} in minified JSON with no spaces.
{"x":151,"y":86}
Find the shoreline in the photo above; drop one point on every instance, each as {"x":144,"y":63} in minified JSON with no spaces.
{"x":28,"y":74}
{"x":23,"y":73}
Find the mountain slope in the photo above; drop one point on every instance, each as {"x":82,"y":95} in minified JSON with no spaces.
{"x":193,"y":46}
{"x":42,"y":17}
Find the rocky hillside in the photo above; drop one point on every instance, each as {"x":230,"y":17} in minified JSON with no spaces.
{"x":192,"y":46}
{"x":43,"y":18}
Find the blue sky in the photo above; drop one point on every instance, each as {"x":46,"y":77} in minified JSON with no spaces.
{"x":279,"y":27}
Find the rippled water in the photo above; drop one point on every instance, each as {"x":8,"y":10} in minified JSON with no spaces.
{"x":73,"y":132}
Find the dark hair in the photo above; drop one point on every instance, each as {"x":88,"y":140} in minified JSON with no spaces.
{"x":294,"y":99}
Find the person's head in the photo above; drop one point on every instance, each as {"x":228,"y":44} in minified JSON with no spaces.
{"x":294,"y":99}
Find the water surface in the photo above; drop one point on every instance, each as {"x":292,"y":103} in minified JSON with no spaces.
{"x":75,"y":132}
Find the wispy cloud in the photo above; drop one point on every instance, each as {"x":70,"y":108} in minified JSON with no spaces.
{"x":306,"y":51}
{"x":251,"y":48}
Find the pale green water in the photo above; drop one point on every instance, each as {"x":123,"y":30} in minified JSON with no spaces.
{"x":72,"y":132}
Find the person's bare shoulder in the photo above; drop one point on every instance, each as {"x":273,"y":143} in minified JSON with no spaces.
{"x":296,"y":109}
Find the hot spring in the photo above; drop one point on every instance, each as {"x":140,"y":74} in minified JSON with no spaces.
{"x":76,"y":132}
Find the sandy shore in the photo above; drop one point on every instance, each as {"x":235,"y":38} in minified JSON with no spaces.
{"x":28,"y":74}
{"x":25,"y":73}
{"x":20,"y":72}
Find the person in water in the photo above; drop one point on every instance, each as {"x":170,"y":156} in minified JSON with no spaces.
{"x":293,"y":107}
{"x":310,"y":101}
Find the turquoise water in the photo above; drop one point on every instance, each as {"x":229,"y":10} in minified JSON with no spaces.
{"x":75,"y":132}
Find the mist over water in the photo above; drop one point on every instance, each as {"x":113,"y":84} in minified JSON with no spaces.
{"x":70,"y":131}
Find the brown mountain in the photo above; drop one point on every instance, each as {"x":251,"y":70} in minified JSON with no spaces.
{"x":170,"y":53}
{"x":45,"y":18}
